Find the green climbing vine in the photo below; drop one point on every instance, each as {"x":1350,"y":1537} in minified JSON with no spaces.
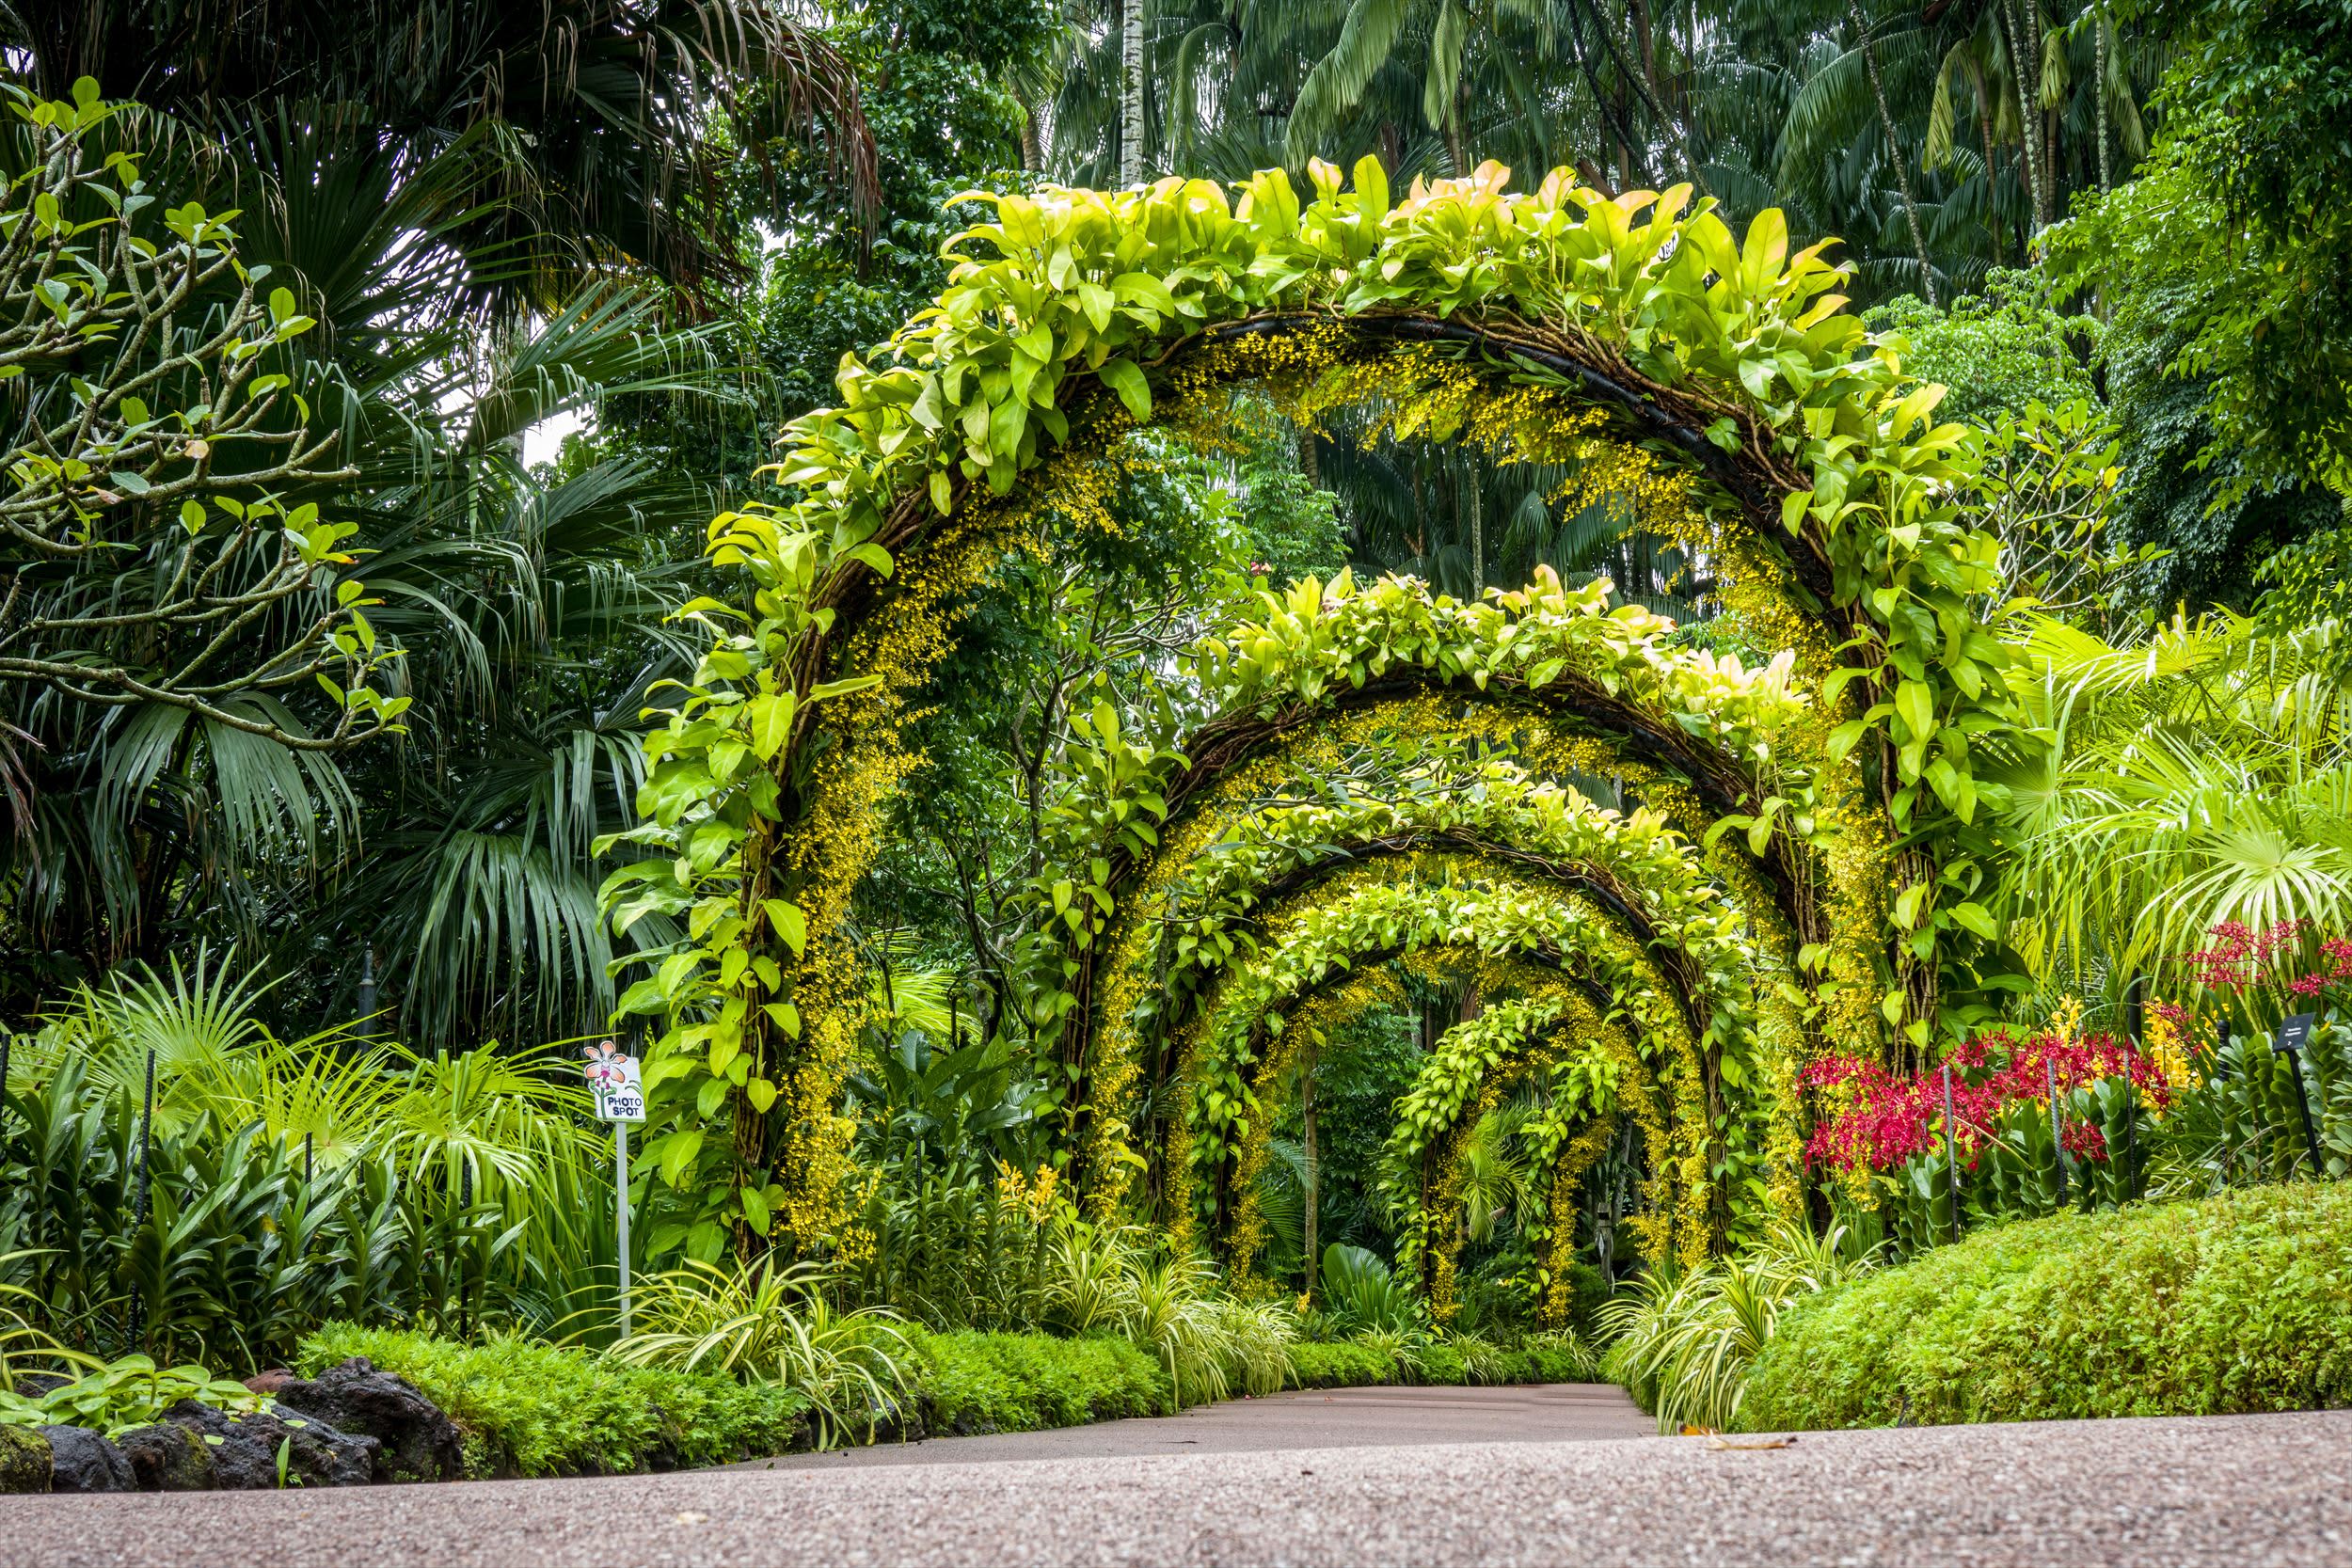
{"x":1815,"y":459}
{"x":1347,"y":923}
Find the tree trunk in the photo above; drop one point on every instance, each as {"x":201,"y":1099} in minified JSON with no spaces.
{"x":1992,"y":167}
{"x":2026,"y":75}
{"x":1032,"y":147}
{"x":2098,"y":88}
{"x":1131,"y":93}
{"x":1629,"y":66}
{"x":1313,"y":1174}
{"x":1894,"y":149}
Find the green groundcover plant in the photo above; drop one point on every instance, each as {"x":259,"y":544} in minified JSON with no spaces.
{"x":972,"y":1381}
{"x":2231,"y":1304}
{"x":530,"y":1408}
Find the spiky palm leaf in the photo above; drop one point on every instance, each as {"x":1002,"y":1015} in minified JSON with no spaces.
{"x":2201,"y":774}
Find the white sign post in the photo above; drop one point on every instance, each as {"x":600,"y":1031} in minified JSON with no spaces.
{"x":619,"y":1085}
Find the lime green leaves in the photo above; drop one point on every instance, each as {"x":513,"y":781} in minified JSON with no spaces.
{"x":1127,"y":381}
{"x":1071,"y":304}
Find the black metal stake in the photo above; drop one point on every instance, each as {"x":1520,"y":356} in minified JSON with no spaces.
{"x":367,"y":981}
{"x":139,"y":1223}
{"x":2131,"y":1121}
{"x":2057,"y":1134}
{"x":2222,"y":1070}
{"x":465,"y":1249}
{"x":306,"y":1159}
{"x":2289,"y":1043}
{"x":1951,"y":1151}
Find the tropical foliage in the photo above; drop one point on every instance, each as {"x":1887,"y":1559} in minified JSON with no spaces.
{"x":1301,"y":760}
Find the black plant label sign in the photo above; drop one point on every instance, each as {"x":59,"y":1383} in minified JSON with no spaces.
{"x":2294,"y":1033}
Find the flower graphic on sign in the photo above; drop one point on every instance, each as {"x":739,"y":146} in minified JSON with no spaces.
{"x":607,"y":1067}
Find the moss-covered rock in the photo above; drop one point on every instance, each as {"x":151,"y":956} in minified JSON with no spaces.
{"x":24,"y":1461}
{"x":167,"y":1458}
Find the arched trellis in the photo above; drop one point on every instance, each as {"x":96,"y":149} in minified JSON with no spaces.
{"x":1707,"y":723}
{"x":1362,"y":925}
{"x":1158,"y":901}
{"x":1544,"y":1021}
{"x":1640,"y":874}
{"x":1820,"y":481}
{"x":1587,"y":1065}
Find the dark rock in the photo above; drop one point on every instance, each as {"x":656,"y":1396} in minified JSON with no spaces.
{"x":34,"y":1384}
{"x":83,"y":1460}
{"x":419,"y":1442}
{"x":269,"y":1382}
{"x":24,"y":1461}
{"x":245,"y":1449}
{"x":167,"y":1458}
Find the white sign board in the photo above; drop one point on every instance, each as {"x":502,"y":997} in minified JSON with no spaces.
{"x":618,"y":1083}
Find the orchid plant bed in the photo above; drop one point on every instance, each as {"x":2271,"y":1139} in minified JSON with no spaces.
{"x":2200,"y":1101}
{"x":1882,"y":1135}
{"x":2244,"y":1123}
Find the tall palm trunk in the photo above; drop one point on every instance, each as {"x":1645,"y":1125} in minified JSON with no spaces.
{"x":1131,"y":93}
{"x":1638,"y":74}
{"x":2025,"y":61}
{"x":1032,"y":144}
{"x":1314,"y":1197}
{"x":1894,"y":149}
{"x":2099,"y":36}
{"x":1992,"y":167}
{"x":2024,"y":78}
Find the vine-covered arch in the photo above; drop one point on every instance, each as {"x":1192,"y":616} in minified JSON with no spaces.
{"x":1813,"y":470}
{"x":1704,"y":721}
{"x":1360,"y":923}
{"x":1460,"y":1082}
{"x":1644,"y":878}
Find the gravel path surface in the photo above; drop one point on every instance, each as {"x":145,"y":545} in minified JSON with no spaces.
{"x":1316,"y":1418}
{"x":2247,"y":1492}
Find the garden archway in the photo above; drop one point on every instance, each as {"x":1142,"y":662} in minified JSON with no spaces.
{"x":1460,"y":1083}
{"x":1815,"y":472}
{"x":1639,"y":874}
{"x":1222,"y":1062}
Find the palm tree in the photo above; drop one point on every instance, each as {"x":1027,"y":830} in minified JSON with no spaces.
{"x":2200,"y":774}
{"x":595,"y":122}
{"x":527,"y":610}
{"x":1898,"y":161}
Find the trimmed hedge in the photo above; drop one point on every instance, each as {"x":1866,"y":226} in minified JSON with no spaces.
{"x":974,"y":1382}
{"x":529,"y":1408}
{"x":1340,"y":1364}
{"x":2231,"y":1304}
{"x":1356,"y":1364}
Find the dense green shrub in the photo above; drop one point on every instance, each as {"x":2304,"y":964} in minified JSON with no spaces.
{"x":1373,"y":1358}
{"x":974,"y":1382}
{"x":1438,"y":1362}
{"x":1340,"y":1364}
{"x":2234,"y":1303}
{"x":1553,"y":1358}
{"x":529,"y":1408}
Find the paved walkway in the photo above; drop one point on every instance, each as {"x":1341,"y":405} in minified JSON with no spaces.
{"x":1318,"y":1418}
{"x":2241,"y":1492}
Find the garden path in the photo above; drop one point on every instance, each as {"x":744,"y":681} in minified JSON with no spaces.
{"x":1316,"y":1418}
{"x":2232,"y":1492}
